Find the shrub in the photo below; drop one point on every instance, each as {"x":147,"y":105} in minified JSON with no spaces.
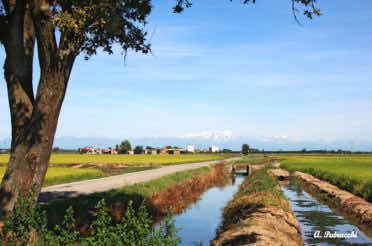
{"x":27,"y":225}
{"x":367,"y":191}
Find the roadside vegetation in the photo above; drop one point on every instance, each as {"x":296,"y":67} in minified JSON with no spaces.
{"x":66,"y":159}
{"x":27,"y":225}
{"x":132,"y":212}
{"x":349,"y":172}
{"x":62,"y":175}
{"x":177,"y":190}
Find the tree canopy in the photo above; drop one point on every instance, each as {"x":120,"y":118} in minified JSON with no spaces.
{"x":124,"y":147}
{"x":86,"y":25}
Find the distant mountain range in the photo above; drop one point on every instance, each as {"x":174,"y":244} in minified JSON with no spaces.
{"x":222,"y":140}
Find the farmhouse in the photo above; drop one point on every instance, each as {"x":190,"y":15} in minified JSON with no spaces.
{"x":109,"y":151}
{"x":191,"y":148}
{"x":214,"y":149}
{"x":97,"y":151}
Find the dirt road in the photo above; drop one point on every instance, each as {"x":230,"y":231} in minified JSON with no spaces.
{"x":65,"y":191}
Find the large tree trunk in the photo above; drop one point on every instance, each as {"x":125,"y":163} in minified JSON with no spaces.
{"x":31,"y":151}
{"x":34,"y":121}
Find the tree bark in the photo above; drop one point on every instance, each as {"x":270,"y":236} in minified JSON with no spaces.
{"x":34,"y":121}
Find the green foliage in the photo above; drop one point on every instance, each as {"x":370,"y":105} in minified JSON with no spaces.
{"x":261,"y":182}
{"x":25,"y":221}
{"x":124,"y":147}
{"x":66,"y":233}
{"x":89,"y":25}
{"x":297,"y":183}
{"x":138,"y":149}
{"x":27,"y":225}
{"x":245,"y":149}
{"x":367,"y":191}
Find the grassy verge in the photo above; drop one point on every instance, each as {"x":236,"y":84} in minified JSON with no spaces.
{"x":350,"y":172}
{"x":251,"y":160}
{"x":60,"y":175}
{"x":66,"y":159}
{"x":257,"y":191}
{"x":118,"y":198}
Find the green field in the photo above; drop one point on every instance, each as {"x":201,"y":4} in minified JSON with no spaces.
{"x":349,"y":172}
{"x":251,"y":160}
{"x":62,"y":175}
{"x":128,"y":159}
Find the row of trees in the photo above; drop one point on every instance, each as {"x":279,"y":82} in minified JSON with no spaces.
{"x":125,"y":147}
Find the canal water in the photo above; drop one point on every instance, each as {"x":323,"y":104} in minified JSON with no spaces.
{"x":201,"y":220}
{"x":319,"y":223}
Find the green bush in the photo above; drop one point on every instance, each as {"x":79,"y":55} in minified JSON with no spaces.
{"x":367,"y":191}
{"x":27,"y":225}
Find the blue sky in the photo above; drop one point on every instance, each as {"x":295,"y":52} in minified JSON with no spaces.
{"x":246,"y":69}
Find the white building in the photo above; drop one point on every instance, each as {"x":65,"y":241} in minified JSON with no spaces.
{"x":191,"y":148}
{"x":214,"y":149}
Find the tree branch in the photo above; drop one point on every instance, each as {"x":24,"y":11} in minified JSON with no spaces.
{"x":44,"y":28}
{"x":3,"y":28}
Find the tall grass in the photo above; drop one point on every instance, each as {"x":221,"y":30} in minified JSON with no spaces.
{"x":350,"y":172}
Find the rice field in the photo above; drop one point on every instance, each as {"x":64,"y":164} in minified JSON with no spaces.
{"x":58,"y":175}
{"x":128,"y":159}
{"x":349,"y":172}
{"x":61,"y":175}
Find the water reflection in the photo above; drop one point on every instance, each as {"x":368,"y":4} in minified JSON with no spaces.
{"x":200,"y":221}
{"x":314,"y":216}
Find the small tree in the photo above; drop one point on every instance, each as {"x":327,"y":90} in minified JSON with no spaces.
{"x":56,"y":149}
{"x":245,"y":149}
{"x":125,"y":147}
{"x":138,"y":149}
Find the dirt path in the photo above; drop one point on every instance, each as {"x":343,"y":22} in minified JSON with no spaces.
{"x":65,"y":191}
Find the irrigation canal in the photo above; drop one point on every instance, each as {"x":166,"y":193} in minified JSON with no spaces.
{"x":201,"y":220}
{"x":319,"y":223}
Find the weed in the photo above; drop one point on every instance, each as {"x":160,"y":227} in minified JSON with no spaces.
{"x":27,"y":225}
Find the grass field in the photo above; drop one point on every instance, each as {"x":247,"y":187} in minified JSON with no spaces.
{"x":62,"y":175}
{"x":128,"y":159}
{"x":349,"y":172}
{"x":251,"y":160}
